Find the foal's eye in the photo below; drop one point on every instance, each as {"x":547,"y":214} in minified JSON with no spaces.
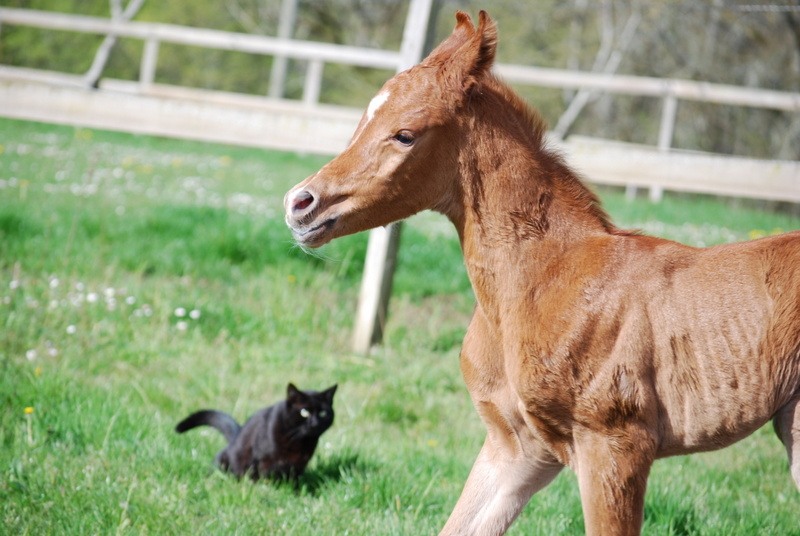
{"x":304,"y":413}
{"x":323,"y":413}
{"x":405,"y":137}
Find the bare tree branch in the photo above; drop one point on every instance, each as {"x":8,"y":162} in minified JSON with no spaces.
{"x":248,"y":22}
{"x":607,"y":61}
{"x":92,"y":76}
{"x":793,"y":20}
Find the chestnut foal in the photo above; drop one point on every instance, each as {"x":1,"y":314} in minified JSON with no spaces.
{"x":590,"y":346}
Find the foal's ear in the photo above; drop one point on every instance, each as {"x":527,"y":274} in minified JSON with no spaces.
{"x":482,"y":48}
{"x":467,"y":54}
{"x":462,"y":33}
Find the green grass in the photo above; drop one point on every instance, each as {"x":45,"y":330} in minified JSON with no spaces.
{"x":104,"y":237}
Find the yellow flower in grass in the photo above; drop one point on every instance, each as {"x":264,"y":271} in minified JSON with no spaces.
{"x":756,"y":233}
{"x":28,"y":424}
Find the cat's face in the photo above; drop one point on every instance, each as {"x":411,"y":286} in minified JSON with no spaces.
{"x":310,"y":412}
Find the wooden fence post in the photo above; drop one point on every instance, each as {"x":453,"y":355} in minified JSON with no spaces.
{"x":313,"y":82}
{"x":147,"y":71}
{"x":668,"y":113}
{"x":376,"y":283}
{"x":280,"y":64}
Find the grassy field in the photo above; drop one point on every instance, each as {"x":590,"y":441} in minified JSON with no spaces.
{"x":142,"y":279}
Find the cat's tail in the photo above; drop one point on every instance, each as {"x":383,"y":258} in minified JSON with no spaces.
{"x":209,"y":417}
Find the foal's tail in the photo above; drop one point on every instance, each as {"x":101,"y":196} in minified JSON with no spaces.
{"x":209,"y":417}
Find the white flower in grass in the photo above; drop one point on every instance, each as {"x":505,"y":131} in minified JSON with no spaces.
{"x":54,"y":282}
{"x":194,"y":314}
{"x":13,"y":284}
{"x":130,"y":300}
{"x":30,"y":355}
{"x":92,"y":297}
{"x":180,"y":312}
{"x":183,"y":325}
{"x":71,"y":329}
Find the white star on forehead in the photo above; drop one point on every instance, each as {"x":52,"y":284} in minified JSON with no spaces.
{"x":376,"y":103}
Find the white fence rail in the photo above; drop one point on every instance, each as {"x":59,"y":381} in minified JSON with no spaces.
{"x":654,"y":87}
{"x":318,"y":53}
{"x":155,"y":33}
{"x":290,"y":125}
{"x":669,"y":89}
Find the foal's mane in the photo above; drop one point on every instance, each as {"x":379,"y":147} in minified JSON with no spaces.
{"x":568,"y":179}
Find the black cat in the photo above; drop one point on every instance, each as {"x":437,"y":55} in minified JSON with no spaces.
{"x":276,"y":442}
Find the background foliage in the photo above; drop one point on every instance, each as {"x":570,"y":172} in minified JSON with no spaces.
{"x":740,"y":42}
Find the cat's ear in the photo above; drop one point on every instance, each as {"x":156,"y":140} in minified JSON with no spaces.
{"x":330,"y":392}
{"x":292,"y":392}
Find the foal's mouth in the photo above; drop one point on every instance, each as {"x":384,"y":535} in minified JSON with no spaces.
{"x":314,"y":236}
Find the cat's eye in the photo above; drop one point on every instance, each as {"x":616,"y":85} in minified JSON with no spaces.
{"x":304,"y":413}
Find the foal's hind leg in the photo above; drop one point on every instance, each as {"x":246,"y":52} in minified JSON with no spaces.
{"x":787,"y":426}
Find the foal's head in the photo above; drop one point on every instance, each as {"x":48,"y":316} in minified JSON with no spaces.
{"x":403,"y":157}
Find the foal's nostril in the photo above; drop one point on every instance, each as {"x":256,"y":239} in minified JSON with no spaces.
{"x":302,"y":200}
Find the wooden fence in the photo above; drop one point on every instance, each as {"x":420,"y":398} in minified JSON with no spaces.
{"x":153,"y":34}
{"x":147,"y":107}
{"x":416,"y":30}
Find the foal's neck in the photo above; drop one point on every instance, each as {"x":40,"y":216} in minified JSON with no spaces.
{"x":522,"y":207}
{"x":514,"y":190}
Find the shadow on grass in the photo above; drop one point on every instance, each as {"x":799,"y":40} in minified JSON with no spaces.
{"x":330,"y":471}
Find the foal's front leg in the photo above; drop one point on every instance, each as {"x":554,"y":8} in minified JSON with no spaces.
{"x":513,"y":464}
{"x":612,"y":468}
{"x":497,"y":489}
